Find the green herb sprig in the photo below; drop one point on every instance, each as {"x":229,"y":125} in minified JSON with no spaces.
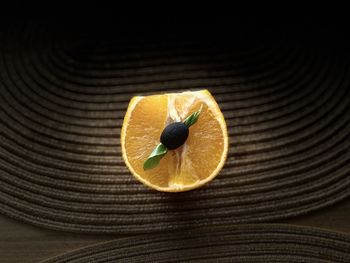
{"x":160,"y":151}
{"x":193,"y":118}
{"x":155,"y":157}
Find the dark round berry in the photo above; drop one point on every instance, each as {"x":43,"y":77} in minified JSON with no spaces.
{"x":174,"y":135}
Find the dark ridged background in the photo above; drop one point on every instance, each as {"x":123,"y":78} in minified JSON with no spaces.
{"x":64,"y":90}
{"x":248,"y":243}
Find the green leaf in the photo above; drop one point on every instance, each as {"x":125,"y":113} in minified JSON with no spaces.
{"x":193,"y":118}
{"x":155,"y":157}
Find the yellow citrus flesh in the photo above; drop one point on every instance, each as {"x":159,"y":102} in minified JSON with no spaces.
{"x":193,"y":164}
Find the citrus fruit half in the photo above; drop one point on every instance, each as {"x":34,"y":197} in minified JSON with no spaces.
{"x":193,"y":164}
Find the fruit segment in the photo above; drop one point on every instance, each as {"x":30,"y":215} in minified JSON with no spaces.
{"x":146,"y":122}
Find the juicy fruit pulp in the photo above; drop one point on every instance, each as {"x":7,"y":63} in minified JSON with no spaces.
{"x":196,"y":162}
{"x":174,"y":135}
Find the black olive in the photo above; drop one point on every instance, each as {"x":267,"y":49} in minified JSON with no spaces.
{"x":174,"y":135}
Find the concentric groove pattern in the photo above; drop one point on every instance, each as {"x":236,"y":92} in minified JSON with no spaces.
{"x":63,"y":96}
{"x":248,"y":243}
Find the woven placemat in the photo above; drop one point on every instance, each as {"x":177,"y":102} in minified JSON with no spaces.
{"x":245,"y":243}
{"x":64,"y":92}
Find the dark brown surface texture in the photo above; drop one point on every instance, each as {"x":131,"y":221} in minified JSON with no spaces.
{"x":64,"y":89}
{"x":22,"y":241}
{"x":243,"y":243}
